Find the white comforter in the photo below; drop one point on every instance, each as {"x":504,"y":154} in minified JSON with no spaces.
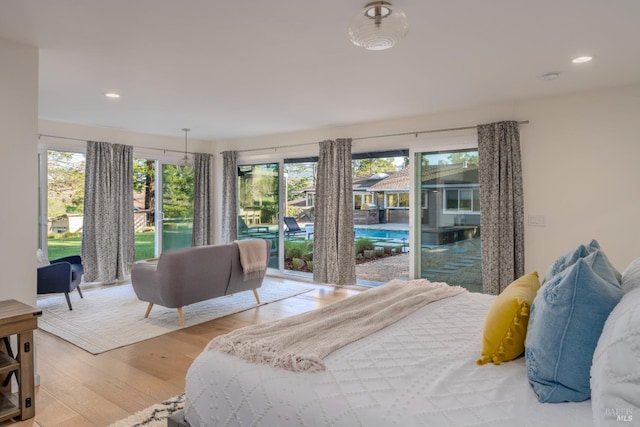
{"x":420,"y":371}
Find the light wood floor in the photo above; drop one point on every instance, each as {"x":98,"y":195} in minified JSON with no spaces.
{"x":80,"y":389}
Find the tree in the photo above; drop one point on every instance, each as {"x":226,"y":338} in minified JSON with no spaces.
{"x":295,"y":184}
{"x":300,"y":176}
{"x":460,"y":157}
{"x":144,"y":172}
{"x":177,"y":187}
{"x":65,"y":186}
{"x":367,"y":167}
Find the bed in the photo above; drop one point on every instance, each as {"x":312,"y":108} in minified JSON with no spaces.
{"x":419,"y":371}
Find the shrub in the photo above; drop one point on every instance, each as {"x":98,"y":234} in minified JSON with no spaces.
{"x":369,"y":253}
{"x":297,"y":263}
{"x":310,"y":265}
{"x":308,"y":256}
{"x":294,"y":249}
{"x":293,"y":211}
{"x":386,"y":249}
{"x":379,"y":252}
{"x":363,"y":244}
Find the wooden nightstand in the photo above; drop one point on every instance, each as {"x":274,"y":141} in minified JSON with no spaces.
{"x":18,"y":319}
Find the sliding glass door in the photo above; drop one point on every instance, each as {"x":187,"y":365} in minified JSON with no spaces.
{"x":176,"y":219}
{"x":448,"y":235}
{"x":259,"y":205}
{"x":62,"y":215}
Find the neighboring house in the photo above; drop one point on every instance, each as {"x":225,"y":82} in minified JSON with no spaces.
{"x":450,"y":197}
{"x":391,"y":195}
{"x":450,"y":203}
{"x":379,"y":198}
{"x":73,"y":223}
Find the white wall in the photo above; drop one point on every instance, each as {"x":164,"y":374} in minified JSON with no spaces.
{"x":579,"y":164}
{"x":580,"y":160}
{"x":18,"y":174}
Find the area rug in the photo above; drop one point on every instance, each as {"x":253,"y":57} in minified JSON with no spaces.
{"x":112,"y":317}
{"x":153,"y":416}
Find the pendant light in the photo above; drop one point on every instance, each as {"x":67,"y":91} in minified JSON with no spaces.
{"x":378,"y":26}
{"x":186,"y":161}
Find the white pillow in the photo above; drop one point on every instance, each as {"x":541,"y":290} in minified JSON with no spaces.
{"x":631,"y":276}
{"x":615,"y":372}
{"x":41,"y":258}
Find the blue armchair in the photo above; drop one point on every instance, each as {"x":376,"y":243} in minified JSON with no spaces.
{"x":61,"y":276}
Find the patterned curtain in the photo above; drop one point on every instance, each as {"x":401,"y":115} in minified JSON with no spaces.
{"x":229,"y":197}
{"x":201,"y":201}
{"x":333,"y":247}
{"x":501,"y":201}
{"x":108,"y":235}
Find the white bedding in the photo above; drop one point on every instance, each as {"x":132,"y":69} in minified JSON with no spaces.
{"x":420,"y":371}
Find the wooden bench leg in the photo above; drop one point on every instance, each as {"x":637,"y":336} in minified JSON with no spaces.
{"x":180,"y":316}
{"x":255,"y":294}
{"x":148,"y":310}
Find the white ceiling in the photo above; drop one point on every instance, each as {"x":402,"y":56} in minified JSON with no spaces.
{"x":235,"y":69}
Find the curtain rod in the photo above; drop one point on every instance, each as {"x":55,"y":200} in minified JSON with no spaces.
{"x":164,"y":150}
{"x":416,"y":133}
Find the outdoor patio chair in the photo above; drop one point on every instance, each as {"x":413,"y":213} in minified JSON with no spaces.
{"x":292,"y":226}
{"x":243,"y":228}
{"x":61,"y":276}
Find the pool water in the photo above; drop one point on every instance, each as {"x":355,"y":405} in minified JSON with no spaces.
{"x":372,"y":233}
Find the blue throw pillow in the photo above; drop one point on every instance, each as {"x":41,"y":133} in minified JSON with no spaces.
{"x":600,"y":264}
{"x":564,"y":261}
{"x":567,"y":260}
{"x":566,"y":319}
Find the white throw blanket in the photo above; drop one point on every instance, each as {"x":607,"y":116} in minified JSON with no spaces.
{"x":253,"y":257}
{"x":299,"y":343}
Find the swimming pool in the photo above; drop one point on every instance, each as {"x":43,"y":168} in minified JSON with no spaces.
{"x":374,"y":233}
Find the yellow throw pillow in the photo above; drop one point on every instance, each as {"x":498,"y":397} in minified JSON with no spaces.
{"x":505,"y":327}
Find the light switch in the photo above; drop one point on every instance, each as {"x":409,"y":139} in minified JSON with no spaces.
{"x":537,"y":220}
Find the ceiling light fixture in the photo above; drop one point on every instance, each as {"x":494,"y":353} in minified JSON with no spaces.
{"x":185,"y":160}
{"x":378,"y":26}
{"x":582,"y":59}
{"x":112,"y":95}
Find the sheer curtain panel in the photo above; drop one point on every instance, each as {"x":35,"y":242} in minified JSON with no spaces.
{"x":501,"y":201}
{"x":333,"y":247}
{"x":107,"y":239}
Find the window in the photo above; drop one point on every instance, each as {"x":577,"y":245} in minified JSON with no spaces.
{"x":397,"y":200}
{"x":462,"y":200}
{"x":360,"y":199}
{"x":311,"y":199}
{"x":424,"y":200}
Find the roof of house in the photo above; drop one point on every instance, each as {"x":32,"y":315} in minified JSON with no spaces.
{"x":456,"y":173}
{"x":441,"y":174}
{"x":362,"y":183}
{"x":396,"y":181}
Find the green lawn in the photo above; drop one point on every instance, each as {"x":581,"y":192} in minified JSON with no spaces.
{"x":59,"y":248}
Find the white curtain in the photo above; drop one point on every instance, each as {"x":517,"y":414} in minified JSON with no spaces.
{"x":333,"y":247}
{"x":229,"y":197}
{"x":201,"y":200}
{"x":108,"y":245}
{"x":502,"y":208}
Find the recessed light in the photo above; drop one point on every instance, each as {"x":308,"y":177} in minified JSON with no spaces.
{"x":582,"y":59}
{"x":112,"y":95}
